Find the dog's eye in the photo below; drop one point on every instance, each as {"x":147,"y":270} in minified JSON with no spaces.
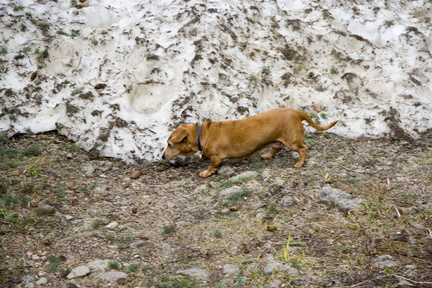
{"x":169,"y":144}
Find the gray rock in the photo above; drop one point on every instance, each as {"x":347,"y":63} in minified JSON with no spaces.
{"x":339,"y":199}
{"x":226,"y":170}
{"x":244,"y":175}
{"x":195,"y":272}
{"x":88,"y":169}
{"x":78,"y":272}
{"x":278,"y":266}
{"x":98,"y":265}
{"x":384,"y":261}
{"x":111,"y":276}
{"x":225,"y":193}
{"x":273,"y":267}
{"x":230,"y":269}
{"x":27,"y":278}
{"x":288,"y":201}
{"x":42,"y":281}
{"x":138,"y":244}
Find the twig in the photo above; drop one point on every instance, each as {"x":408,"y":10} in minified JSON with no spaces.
{"x":413,"y":281}
{"x":397,"y":211}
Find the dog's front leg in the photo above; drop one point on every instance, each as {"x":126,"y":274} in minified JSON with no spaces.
{"x":214,"y":166}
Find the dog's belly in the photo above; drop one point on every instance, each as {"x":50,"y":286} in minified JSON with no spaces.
{"x":274,"y":144}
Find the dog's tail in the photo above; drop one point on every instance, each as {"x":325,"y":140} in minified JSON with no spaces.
{"x":307,"y":118}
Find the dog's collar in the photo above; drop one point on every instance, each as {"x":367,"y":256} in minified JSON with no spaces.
{"x":199,"y":138}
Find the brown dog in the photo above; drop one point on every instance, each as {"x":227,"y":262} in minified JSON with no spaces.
{"x":238,"y":139}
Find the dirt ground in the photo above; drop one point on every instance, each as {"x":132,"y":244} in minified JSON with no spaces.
{"x":161,"y":225}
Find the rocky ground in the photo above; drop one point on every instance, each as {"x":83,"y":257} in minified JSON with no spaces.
{"x":358,"y":214}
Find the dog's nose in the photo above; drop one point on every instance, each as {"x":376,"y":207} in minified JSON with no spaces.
{"x":163,"y":156}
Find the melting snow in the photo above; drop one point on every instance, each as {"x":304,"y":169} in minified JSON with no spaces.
{"x":119,"y":76}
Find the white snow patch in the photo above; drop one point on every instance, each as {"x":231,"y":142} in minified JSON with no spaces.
{"x":162,"y":63}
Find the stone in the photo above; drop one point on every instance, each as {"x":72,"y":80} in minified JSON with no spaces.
{"x":98,"y":265}
{"x":42,"y":281}
{"x":230,"y":269}
{"x":384,"y":261}
{"x":88,"y":169}
{"x":111,"y":276}
{"x":226,"y":193}
{"x":339,"y":199}
{"x":277,"y":266}
{"x":288,"y":201}
{"x":244,"y":175}
{"x":112,"y":225}
{"x":79,"y":272}
{"x":195,"y":272}
{"x":226,"y":170}
{"x":273,"y":267}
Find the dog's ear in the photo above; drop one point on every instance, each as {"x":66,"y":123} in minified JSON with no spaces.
{"x":179,"y":135}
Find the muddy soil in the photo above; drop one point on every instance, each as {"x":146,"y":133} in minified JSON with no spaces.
{"x":254,"y":224}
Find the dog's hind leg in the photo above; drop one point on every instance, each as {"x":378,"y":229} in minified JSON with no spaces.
{"x":276,"y":147}
{"x":270,"y":153}
{"x":302,"y":151}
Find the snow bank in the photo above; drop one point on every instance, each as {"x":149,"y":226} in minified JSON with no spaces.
{"x":118,"y":77}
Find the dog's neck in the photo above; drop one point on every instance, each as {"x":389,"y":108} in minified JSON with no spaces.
{"x":199,"y":138}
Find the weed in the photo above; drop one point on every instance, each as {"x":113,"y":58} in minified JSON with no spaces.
{"x":18,"y":8}
{"x":94,"y":42}
{"x":27,"y":188}
{"x":334,"y":70}
{"x":256,"y":164}
{"x":53,"y":264}
{"x":78,"y":90}
{"x":235,"y":197}
{"x":286,"y":250}
{"x":34,"y":172}
{"x":168,"y":229}
{"x":96,"y":224}
{"x":174,"y":282}
{"x":220,"y":285}
{"x":24,"y":28}
{"x":114,"y":265}
{"x":240,"y":280}
{"x":110,"y":236}
{"x":230,"y":183}
{"x":63,"y":33}
{"x":3,"y":50}
{"x":9,"y":201}
{"x":11,"y":217}
{"x":309,"y":141}
{"x":19,"y":57}
{"x":42,"y":55}
{"x":217,"y":234}
{"x":132,"y":268}
{"x":41,"y":211}
{"x":266,"y":71}
{"x":313,"y":115}
{"x":74,"y":148}
{"x":253,"y":78}
{"x":43,"y":25}
{"x":323,"y":116}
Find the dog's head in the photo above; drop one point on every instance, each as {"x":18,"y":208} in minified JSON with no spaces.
{"x":182,"y":142}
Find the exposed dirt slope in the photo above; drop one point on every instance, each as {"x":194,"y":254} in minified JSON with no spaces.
{"x":162,"y":226}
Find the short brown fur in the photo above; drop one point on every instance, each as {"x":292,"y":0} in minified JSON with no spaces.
{"x":238,"y":139}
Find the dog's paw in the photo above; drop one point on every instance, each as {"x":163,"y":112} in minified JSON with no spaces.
{"x":298,"y":165}
{"x":205,"y":174}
